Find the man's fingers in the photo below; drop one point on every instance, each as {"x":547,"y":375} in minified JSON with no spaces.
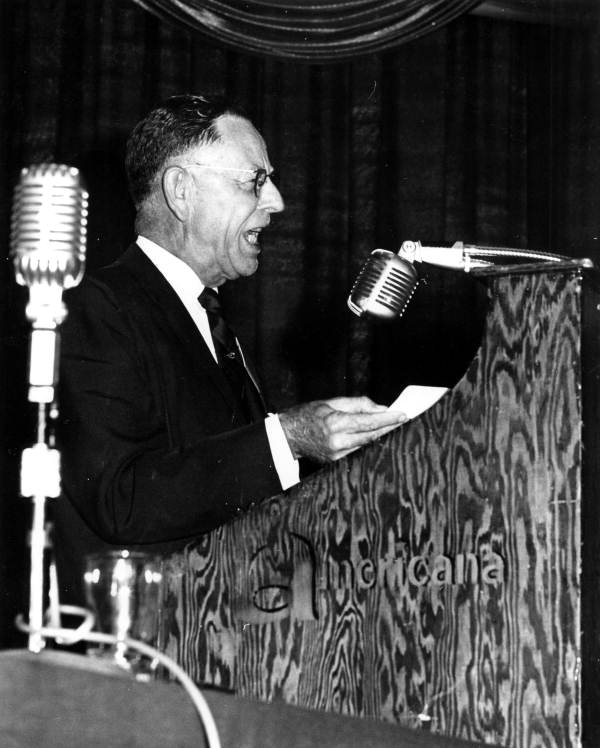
{"x":385,"y":430}
{"x":345,"y":442}
{"x":361,"y":404}
{"x":360,"y":423}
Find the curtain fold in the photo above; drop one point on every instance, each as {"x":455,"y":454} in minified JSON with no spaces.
{"x":316,"y":31}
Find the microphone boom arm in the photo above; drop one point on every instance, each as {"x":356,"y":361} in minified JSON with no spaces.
{"x":463,"y":256}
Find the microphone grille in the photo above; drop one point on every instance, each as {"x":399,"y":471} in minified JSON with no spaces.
{"x":384,"y":286}
{"x":48,"y":225}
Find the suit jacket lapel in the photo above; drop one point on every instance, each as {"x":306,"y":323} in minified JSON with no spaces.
{"x":252,"y":374}
{"x":169,"y":308}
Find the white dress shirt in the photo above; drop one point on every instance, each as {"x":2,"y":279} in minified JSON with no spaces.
{"x":188,"y":287}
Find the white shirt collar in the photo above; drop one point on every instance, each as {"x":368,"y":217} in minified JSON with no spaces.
{"x":184,"y":281}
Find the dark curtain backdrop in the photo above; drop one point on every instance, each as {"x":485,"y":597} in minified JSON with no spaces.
{"x":483,"y":131}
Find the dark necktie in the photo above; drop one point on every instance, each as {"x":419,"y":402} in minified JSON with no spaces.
{"x":228,"y":355}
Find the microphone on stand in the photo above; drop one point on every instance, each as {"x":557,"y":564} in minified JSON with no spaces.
{"x":387,"y":281}
{"x":48,"y":234}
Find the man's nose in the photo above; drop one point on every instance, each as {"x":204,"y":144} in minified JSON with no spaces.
{"x":270,"y":198}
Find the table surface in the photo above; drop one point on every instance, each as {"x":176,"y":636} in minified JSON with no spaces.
{"x":58,"y":698}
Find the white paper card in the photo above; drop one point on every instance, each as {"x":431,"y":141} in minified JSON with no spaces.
{"x":416,"y":399}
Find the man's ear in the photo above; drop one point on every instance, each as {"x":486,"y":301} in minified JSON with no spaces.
{"x":175,"y":186}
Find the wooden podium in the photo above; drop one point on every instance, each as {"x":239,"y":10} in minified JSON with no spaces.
{"x":445,"y":577}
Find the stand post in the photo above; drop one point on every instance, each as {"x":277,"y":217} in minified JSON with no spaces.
{"x":40,"y":478}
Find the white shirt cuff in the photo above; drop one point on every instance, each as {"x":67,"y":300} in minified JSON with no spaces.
{"x":286,"y":466}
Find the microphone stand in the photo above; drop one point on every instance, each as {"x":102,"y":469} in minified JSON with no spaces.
{"x":40,"y":479}
{"x":48,"y":229}
{"x":40,"y":464}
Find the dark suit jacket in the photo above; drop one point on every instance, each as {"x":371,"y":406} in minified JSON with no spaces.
{"x":154,"y":450}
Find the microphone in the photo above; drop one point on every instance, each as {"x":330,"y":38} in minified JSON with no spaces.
{"x":384,"y":286}
{"x":387,"y":281}
{"x":48,"y":234}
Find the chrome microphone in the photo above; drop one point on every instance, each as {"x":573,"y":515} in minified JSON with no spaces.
{"x":387,"y":281}
{"x":48,"y":235}
{"x":384,"y":286}
{"x":48,"y":226}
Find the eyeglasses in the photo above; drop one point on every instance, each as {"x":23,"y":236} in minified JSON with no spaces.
{"x":260,"y":176}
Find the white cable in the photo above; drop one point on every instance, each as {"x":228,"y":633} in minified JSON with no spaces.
{"x":82,"y":633}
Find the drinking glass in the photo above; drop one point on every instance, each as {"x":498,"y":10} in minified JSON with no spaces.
{"x":124,"y":590}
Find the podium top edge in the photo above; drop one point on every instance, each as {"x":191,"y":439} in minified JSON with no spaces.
{"x":579,"y":263}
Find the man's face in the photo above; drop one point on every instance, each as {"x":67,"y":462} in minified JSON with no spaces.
{"x":224,"y":217}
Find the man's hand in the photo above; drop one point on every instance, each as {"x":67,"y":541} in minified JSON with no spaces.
{"x":325,"y":430}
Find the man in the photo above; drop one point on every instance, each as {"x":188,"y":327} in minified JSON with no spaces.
{"x":164,"y":433}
